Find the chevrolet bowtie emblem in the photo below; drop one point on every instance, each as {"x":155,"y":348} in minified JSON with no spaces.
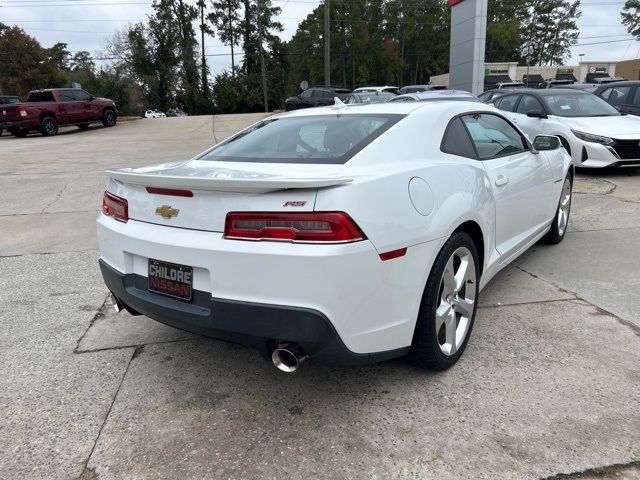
{"x":165,"y":211}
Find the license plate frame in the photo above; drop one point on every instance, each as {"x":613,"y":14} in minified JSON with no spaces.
{"x":159,"y":279}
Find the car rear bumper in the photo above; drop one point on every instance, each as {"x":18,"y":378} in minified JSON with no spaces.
{"x":246,"y":323}
{"x":337,"y":301}
{"x":17,"y":124}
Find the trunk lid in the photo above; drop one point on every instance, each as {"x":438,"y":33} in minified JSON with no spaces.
{"x":219,"y":188}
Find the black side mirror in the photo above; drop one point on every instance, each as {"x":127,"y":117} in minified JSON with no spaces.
{"x":546,"y":142}
{"x":536,"y":114}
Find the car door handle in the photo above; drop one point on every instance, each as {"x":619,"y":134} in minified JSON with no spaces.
{"x":501,"y":181}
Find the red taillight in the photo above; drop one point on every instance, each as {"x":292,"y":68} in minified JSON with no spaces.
{"x":174,"y":192}
{"x":23,"y":111}
{"x":115,"y":207}
{"x":313,"y":227}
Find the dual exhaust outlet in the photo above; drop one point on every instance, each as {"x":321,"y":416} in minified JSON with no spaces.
{"x":287,"y":357}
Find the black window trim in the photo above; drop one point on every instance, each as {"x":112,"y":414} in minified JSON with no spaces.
{"x":477,"y":157}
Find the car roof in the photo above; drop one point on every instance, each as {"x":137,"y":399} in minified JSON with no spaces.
{"x":360,"y":89}
{"x":548,"y":91}
{"x":617,"y":83}
{"x":389,"y":108}
{"x":435,"y":94}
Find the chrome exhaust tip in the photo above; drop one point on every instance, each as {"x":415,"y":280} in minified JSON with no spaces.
{"x":288,"y":357}
{"x":117,"y":306}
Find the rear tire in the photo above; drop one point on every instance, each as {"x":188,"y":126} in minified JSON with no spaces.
{"x":82,"y":126}
{"x":109,"y":118}
{"x":48,"y":126}
{"x":561,"y":219}
{"x":289,"y":106}
{"x":448,"y":306}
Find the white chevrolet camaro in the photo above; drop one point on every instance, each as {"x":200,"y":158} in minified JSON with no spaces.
{"x":347,"y":235}
{"x":594,"y":133}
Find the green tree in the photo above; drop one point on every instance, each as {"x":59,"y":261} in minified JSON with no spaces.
{"x":25,"y":65}
{"x":552,"y":29}
{"x":226,"y":20}
{"x":631,"y":17}
{"x":505,"y":32}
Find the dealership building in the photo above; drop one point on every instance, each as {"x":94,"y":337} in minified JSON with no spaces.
{"x":584,"y":72}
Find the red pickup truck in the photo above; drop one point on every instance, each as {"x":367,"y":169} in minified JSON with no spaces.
{"x":45,"y":110}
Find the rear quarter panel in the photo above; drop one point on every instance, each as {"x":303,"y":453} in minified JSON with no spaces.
{"x":378,"y":199}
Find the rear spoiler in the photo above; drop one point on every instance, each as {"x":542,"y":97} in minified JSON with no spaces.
{"x":260,"y":183}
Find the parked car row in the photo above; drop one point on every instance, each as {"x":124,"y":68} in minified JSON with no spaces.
{"x":595,"y":133}
{"x":46,"y":110}
{"x":156,"y":113}
{"x":594,"y":129}
{"x":322,"y":95}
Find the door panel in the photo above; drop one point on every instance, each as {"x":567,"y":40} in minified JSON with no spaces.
{"x":522,"y":188}
{"x":521,"y":181}
{"x":71,"y":109}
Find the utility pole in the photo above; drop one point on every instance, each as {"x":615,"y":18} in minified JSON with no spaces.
{"x":205,"y":83}
{"x":262,"y":67}
{"x":233,"y":63}
{"x":327,"y":45}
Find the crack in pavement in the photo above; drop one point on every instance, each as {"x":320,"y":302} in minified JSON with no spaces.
{"x":47,"y":213}
{"x":48,"y":205}
{"x":86,"y":471}
{"x":600,"y":472}
{"x":635,"y":328}
{"x":602,"y":229}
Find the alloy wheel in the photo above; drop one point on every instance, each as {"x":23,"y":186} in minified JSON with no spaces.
{"x":110,"y":118}
{"x":457,"y":296}
{"x":49,"y":126}
{"x":564,"y":207}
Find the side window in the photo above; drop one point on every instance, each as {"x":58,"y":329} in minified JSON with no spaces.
{"x":456,"y":140}
{"x":507,"y":103}
{"x":528,"y":104}
{"x":618,"y":95}
{"x":605,"y":93}
{"x":320,"y":94}
{"x":81,"y":95}
{"x":493,"y":136}
{"x":306,"y":94}
{"x":66,"y":96}
{"x":636,"y":97}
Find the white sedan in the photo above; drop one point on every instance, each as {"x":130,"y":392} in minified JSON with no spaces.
{"x":347,"y":235}
{"x":154,"y":114}
{"x":594,"y":133}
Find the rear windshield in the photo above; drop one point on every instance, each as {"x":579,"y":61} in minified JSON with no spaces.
{"x":40,"y":97}
{"x":9,"y":100}
{"x":314,"y":139}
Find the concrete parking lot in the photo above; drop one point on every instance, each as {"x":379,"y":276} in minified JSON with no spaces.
{"x":549,"y":385}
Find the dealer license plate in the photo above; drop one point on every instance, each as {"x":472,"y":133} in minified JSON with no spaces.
{"x":170,"y":279}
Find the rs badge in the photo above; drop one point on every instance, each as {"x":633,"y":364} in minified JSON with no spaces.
{"x":165,"y":211}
